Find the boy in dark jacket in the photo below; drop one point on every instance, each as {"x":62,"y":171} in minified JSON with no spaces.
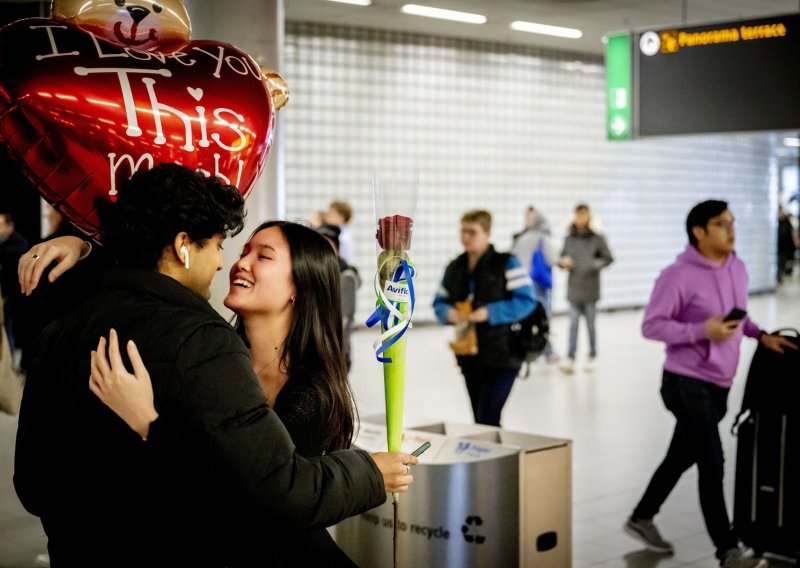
{"x":498,"y":292}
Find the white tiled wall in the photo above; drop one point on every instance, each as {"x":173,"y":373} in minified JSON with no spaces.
{"x":501,"y":127}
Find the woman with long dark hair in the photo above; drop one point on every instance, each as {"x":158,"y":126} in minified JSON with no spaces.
{"x":285,"y":291}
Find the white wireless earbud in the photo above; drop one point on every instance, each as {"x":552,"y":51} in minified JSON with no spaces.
{"x":185,"y":254}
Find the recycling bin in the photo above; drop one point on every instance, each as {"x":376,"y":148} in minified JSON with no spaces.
{"x":482,"y":496}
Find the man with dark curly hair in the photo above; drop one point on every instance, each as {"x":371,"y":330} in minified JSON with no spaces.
{"x":216,"y":459}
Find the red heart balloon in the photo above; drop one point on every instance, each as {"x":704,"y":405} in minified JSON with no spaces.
{"x":81,"y":115}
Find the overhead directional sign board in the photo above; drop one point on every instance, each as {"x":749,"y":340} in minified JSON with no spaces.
{"x":722,"y":77}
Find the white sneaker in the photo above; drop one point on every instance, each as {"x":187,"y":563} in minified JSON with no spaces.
{"x":591,"y":365}
{"x":568,"y":365}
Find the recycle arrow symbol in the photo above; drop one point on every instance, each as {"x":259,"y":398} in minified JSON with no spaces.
{"x":465,"y":529}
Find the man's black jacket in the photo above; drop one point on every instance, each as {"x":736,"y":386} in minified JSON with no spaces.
{"x":216,"y":459}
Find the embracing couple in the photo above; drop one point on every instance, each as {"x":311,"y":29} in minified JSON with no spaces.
{"x":227,"y":446}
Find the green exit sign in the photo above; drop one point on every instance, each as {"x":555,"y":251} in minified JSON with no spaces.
{"x":618,"y":87}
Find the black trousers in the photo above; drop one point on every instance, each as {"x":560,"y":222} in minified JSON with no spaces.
{"x":698,"y":407}
{"x":488,"y":388}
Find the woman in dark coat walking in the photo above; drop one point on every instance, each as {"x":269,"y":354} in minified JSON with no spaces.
{"x":584,"y":255}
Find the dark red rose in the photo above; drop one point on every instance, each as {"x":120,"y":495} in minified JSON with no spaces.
{"x":394,"y":233}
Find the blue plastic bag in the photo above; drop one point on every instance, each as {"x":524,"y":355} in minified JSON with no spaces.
{"x":541,"y":272}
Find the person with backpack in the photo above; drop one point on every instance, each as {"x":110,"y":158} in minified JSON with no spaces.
{"x":533,"y":246}
{"x":698,"y":309}
{"x":490,"y":291}
{"x":350,"y":281}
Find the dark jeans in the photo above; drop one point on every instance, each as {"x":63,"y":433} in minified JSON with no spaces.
{"x":698,"y":407}
{"x":488,"y":388}
{"x":589,"y":311}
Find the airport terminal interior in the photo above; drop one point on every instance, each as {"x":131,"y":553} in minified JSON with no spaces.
{"x":492,"y":111}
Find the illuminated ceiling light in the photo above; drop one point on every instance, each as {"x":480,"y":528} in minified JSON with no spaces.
{"x":793,"y":142}
{"x":557,"y":31}
{"x":428,"y":12}
{"x":354,"y":2}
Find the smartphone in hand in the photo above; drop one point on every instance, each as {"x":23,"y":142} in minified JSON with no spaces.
{"x":735,"y":314}
{"x":416,"y":453}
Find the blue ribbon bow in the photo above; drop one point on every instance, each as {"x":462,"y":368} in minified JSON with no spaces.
{"x":393,"y":321}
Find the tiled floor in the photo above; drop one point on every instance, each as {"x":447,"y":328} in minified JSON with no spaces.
{"x":614,"y":417}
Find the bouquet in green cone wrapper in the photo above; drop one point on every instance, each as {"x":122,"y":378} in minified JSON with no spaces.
{"x":395,"y":204}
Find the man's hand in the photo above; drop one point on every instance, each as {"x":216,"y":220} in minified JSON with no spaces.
{"x":776,"y":343}
{"x":718,"y":330}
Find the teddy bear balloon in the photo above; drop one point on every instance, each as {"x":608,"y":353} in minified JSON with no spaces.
{"x":104,"y":88}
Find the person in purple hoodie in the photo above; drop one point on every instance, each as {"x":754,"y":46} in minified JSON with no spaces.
{"x":687,"y":311}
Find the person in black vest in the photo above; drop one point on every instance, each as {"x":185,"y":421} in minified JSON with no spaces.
{"x":499,"y":293}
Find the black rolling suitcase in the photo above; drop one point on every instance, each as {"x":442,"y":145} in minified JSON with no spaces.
{"x":766,"y":503}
